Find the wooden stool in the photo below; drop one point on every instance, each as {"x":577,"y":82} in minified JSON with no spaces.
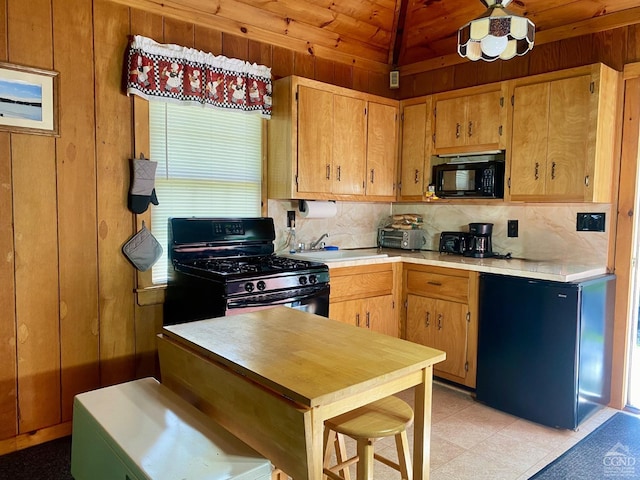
{"x":383,"y":418}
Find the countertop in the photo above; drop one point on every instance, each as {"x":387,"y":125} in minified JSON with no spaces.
{"x":540,"y":270}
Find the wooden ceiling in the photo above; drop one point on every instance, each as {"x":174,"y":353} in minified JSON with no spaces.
{"x":382,"y":33}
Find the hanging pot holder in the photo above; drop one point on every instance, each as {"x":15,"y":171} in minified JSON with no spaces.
{"x":142,"y":249}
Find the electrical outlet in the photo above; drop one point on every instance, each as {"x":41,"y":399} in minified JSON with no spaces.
{"x":512,"y":228}
{"x":590,"y":222}
{"x":291,"y":218}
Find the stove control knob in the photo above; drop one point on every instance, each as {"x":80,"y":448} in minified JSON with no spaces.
{"x":303,"y":280}
{"x":313,"y":279}
{"x":249,"y":287}
{"x":261,"y":285}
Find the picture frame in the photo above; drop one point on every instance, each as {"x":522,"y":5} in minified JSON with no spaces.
{"x":28,"y":100}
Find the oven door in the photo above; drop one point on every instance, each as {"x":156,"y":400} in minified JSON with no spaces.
{"x":313,"y":299}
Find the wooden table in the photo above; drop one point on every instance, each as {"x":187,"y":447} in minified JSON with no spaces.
{"x":274,"y":376}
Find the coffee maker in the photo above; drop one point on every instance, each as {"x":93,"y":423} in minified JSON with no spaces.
{"x":479,"y":240}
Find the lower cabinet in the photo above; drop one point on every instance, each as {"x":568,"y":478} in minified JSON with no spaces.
{"x":366,"y":296}
{"x":441,"y":312}
{"x":375,"y":313}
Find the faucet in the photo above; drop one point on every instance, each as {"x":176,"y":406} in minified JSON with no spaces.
{"x":313,"y":245}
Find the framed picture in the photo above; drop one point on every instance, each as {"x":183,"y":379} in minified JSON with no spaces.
{"x":28,"y":100}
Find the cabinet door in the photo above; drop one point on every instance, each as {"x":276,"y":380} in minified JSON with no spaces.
{"x":529,"y":139}
{"x":568,"y":142}
{"x":347,"y":312}
{"x":440,"y":324}
{"x":451,"y":336}
{"x":450,"y":122}
{"x":484,"y":118}
{"x":414,"y":138}
{"x":421,"y":312}
{"x":380,"y":315}
{"x":349,"y":145}
{"x":315,"y":140}
{"x":381,"y":149}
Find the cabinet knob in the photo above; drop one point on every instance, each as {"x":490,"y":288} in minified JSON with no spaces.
{"x":357,"y":319}
{"x":328,"y":171}
{"x":440,"y":322}
{"x":537,"y":171}
{"x":470,"y":131}
{"x":338,"y":173}
{"x":372,"y":174}
{"x":553,"y":170}
{"x":586,"y":181}
{"x":416,"y":178}
{"x":457,"y":130}
{"x":367,"y":320}
{"x":427,"y":319}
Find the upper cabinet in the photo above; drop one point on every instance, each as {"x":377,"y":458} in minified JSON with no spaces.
{"x":328,"y":142}
{"x":382,"y":149}
{"x":470,"y":120}
{"x":564,"y":135}
{"x":415,"y":153}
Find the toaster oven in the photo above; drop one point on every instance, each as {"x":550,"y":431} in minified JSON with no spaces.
{"x":405,"y":239}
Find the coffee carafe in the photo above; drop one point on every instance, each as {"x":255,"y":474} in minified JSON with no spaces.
{"x":479,"y":240}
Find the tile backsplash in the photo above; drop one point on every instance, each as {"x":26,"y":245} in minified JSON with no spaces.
{"x":545,"y":231}
{"x":354,"y":226}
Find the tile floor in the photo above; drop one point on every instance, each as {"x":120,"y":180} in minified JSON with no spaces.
{"x":472,"y":441}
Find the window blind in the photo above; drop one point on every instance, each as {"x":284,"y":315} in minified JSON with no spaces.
{"x":209,"y":165}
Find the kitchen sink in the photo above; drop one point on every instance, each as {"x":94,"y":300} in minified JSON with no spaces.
{"x":334,"y":255}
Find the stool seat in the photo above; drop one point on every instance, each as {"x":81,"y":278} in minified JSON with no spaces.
{"x":382,"y":418}
{"x":386,"y":417}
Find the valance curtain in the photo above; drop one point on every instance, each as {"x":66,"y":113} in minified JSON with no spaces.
{"x":172,"y":73}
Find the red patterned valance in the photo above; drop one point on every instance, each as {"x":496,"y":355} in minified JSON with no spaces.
{"x":173,"y":73}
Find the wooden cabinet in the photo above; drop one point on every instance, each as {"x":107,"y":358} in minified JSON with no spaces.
{"x":564,"y":135}
{"x":366,"y":296}
{"x":375,"y":313}
{"x":324,"y":148}
{"x":382,"y":146}
{"x":332,"y":143}
{"x":440,"y":324}
{"x":415,"y":150}
{"x":441,"y":312}
{"x":470,"y":120}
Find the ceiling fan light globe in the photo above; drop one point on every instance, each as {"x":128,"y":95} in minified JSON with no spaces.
{"x":497,"y":33}
{"x":493,"y":46}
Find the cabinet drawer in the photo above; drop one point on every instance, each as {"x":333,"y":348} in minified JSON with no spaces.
{"x":438,"y":285}
{"x":361,"y":285}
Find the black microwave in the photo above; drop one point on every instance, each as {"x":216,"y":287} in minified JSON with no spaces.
{"x":469,"y":180}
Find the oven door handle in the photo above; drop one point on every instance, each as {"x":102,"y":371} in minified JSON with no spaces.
{"x":275,"y":299}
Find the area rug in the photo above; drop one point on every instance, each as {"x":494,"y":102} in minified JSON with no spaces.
{"x":611,"y":451}
{"x":47,"y":461}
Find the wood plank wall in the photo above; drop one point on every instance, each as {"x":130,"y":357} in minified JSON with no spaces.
{"x":69,"y":321}
{"x":68,"y":317}
{"x":613,"y":47}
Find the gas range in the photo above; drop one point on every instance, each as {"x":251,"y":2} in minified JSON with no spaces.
{"x":224,"y":266}
{"x":261,"y":274}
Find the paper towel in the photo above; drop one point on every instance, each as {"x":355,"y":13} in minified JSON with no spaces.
{"x":318,"y":209}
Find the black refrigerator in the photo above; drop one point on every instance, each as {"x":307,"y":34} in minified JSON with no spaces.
{"x":544,"y":348}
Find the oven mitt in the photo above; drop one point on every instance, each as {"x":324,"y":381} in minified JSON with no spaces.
{"x":142,"y":249}
{"x":142,"y":191}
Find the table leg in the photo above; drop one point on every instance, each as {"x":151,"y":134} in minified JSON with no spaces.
{"x":422,"y":427}
{"x":315,"y":447}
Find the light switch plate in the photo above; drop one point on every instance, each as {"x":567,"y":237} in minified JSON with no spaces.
{"x":590,"y":222}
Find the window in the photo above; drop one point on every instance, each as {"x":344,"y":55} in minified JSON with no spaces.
{"x":209,"y":164}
